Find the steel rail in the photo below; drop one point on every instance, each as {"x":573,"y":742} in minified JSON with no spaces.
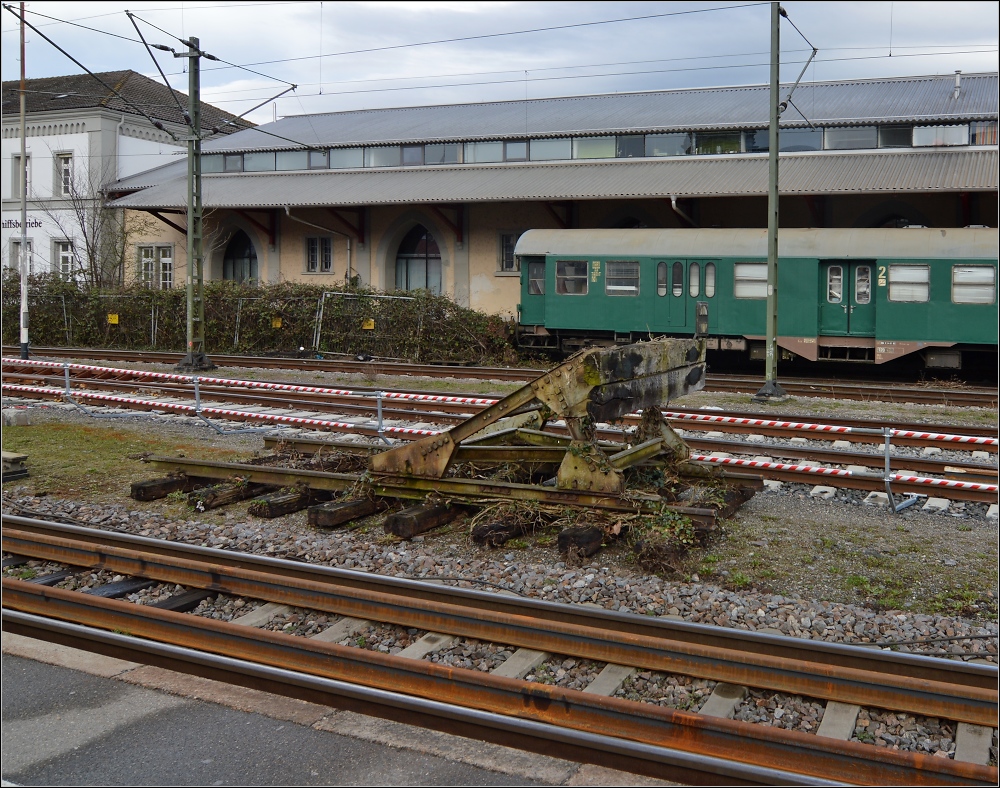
{"x":646,"y":724}
{"x":921,"y":685}
{"x":942,"y":468}
{"x":804,"y":387}
{"x":909,"y":434}
{"x":470,"y":491}
{"x":737,"y":420}
{"x":445,"y":413}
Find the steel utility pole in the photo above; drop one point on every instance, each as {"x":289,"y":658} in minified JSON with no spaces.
{"x":195,"y":360}
{"x":24,"y":259}
{"x":772,"y":389}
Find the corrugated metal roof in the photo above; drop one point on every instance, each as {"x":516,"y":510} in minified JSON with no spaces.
{"x":903,"y":100}
{"x":869,"y":172}
{"x":847,"y":243}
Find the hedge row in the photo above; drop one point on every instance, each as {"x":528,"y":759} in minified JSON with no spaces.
{"x":255,"y":319}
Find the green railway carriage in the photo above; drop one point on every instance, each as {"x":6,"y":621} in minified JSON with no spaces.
{"x":843,"y":294}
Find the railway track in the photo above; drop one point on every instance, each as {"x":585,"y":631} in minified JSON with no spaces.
{"x":590,"y":726}
{"x":883,"y":391}
{"x":957,"y":479}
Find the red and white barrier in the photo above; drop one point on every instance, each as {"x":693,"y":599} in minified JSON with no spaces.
{"x":817,"y":470}
{"x":340,"y":426}
{"x":701,"y":418}
{"x":255,"y":384}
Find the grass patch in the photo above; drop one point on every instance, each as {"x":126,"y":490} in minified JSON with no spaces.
{"x":78,"y":460}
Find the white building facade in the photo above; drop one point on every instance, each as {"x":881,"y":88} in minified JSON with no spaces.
{"x":80,"y":136}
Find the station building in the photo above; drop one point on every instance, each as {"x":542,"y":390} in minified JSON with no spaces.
{"x":436,"y":196}
{"x":79,"y":136}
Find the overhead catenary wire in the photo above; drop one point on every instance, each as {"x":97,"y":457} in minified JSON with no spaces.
{"x":184,"y":113}
{"x":155,"y":123}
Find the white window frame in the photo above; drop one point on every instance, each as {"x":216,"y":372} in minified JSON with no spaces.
{"x":156,"y":266}
{"x":63,"y":175}
{"x":64,"y":257}
{"x":507,"y":262}
{"x":971,"y":291}
{"x":909,"y":283}
{"x":15,"y":175}
{"x":319,"y":254}
{"x":748,"y":282}
{"x":14,"y":253}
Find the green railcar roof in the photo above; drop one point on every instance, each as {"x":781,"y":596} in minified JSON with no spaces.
{"x":900,"y":243}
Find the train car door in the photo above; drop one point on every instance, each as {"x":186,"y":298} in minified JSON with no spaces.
{"x":670,"y":311}
{"x":846,"y":306}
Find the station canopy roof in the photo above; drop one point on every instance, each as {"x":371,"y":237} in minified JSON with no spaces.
{"x":913,"y":100}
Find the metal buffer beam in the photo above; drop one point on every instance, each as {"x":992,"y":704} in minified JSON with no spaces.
{"x":595,"y":385}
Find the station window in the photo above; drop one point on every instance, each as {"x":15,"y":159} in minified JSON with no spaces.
{"x":661,"y":279}
{"x":258,"y":162}
{"x":448,"y":153}
{"x":549,"y":150}
{"x":940,"y":136}
{"x":318,"y":160}
{"x":834,"y":284}
{"x":677,"y":279}
{"x":536,"y":277}
{"x":973,"y":284}
{"x":292,"y":160}
{"x":895,"y":136}
{"x":15,"y":174}
{"x":571,"y":277}
{"x":851,"y":138}
{"x":594,"y":148}
{"x":983,"y":133}
{"x":750,"y":280}
{"x":64,"y":174}
{"x":708,"y":143}
{"x":709,"y":280}
{"x":483,"y":152}
{"x":413,"y":155}
{"x":346,"y":158}
{"x":630,"y":146}
{"x":517,"y":150}
{"x":909,"y":283}
{"x":211,"y":163}
{"x":319,"y":255}
{"x":622,"y":278}
{"x":694,"y":279}
{"x":793,"y":140}
{"x":156,"y":266}
{"x":232,"y":162}
{"x":384,"y":156}
{"x":506,"y":261}
{"x":65,"y":259}
{"x":680,"y":144}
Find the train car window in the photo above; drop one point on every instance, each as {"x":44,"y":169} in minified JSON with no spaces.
{"x":571,"y":277}
{"x":973,"y":284}
{"x":661,"y":279}
{"x":622,"y":278}
{"x":677,"y":277}
{"x":834,"y":284}
{"x":694,"y":279}
{"x":709,"y":280}
{"x":536,"y":278}
{"x":863,"y":284}
{"x":909,"y":283}
{"x":750,"y":280}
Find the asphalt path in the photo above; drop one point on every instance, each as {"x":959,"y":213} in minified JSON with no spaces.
{"x":74,"y":718}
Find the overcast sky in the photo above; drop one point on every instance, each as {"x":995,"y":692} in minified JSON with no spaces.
{"x":675,"y":45}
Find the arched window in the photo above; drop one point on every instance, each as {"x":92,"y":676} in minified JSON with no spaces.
{"x":240,"y":261}
{"x":418,"y":262}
